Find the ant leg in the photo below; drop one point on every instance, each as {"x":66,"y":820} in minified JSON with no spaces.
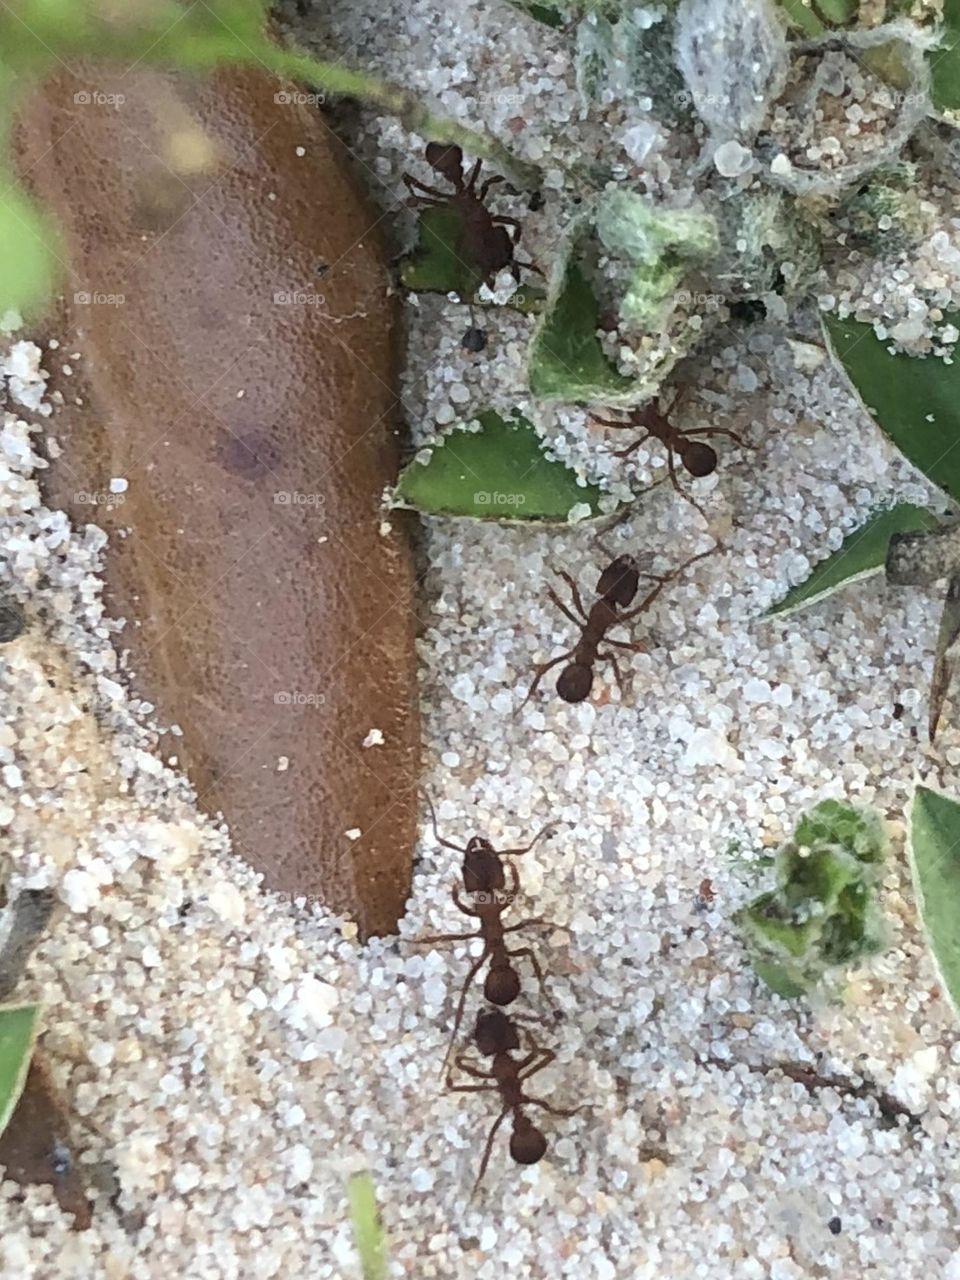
{"x":446,"y":937}
{"x":503,"y":220}
{"x":649,"y":598}
{"x":541,"y":672}
{"x":461,"y":1062}
{"x":515,"y":853}
{"x":448,"y":844}
{"x":574,"y":592}
{"x":618,"y":674}
{"x":424,"y":202}
{"x":554,"y":1111}
{"x":461,"y":1005}
{"x":722,"y":431}
{"x":609,"y":422}
{"x":535,"y":1062}
{"x":564,"y":609}
{"x":488,"y":183}
{"x":416,"y":187}
{"x":489,"y":1147}
{"x":460,"y":904}
{"x":631,"y":448}
{"x":530,"y":266}
{"x":472,"y":177}
{"x":470,"y":1088}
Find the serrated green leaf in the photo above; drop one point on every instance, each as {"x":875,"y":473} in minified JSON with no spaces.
{"x":497,"y":473}
{"x":914,"y":400}
{"x":567,"y":361}
{"x":18,"y":1031}
{"x":934,"y":852}
{"x":368,"y":1235}
{"x":861,"y":555}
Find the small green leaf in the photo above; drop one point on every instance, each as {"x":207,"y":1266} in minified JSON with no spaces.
{"x":497,"y":473}
{"x":860,"y":555}
{"x":437,"y":264}
{"x":834,"y":822}
{"x":944,"y":61}
{"x":18,"y":1031}
{"x":28,"y":254}
{"x":567,"y":361}
{"x":368,"y":1235}
{"x":780,"y":978}
{"x":934,"y":851}
{"x":550,"y":15}
{"x":914,"y":400}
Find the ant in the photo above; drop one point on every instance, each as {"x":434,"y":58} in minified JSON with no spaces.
{"x":616,"y":589}
{"x":484,"y":240}
{"x":697,"y":458}
{"x":495,"y":1036}
{"x":486,"y":878}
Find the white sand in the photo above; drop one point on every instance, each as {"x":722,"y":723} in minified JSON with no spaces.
{"x":230,"y":1058}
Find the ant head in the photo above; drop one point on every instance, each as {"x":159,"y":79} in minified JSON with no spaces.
{"x":575,"y":682}
{"x":527,"y":1144}
{"x":478,"y":844}
{"x":502,"y":986}
{"x":619,"y":581}
{"x":495,"y":1033}
{"x":699,"y":459}
{"x":446,"y":159}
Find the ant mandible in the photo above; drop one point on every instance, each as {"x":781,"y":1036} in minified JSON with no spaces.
{"x":484,"y":240}
{"x":495,"y":1036}
{"x":616,"y":589}
{"x":697,"y":458}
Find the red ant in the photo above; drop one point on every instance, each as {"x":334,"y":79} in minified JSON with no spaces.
{"x":484,"y":240}
{"x":482,"y":867}
{"x":696,"y":458}
{"x":616,"y":588}
{"x":495,"y":1036}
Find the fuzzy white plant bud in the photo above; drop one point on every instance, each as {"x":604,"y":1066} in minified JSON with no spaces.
{"x":733,"y":57}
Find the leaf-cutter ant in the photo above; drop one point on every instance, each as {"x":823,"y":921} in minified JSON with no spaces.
{"x":484,"y":241}
{"x":696,"y":457}
{"x":495,"y":1036}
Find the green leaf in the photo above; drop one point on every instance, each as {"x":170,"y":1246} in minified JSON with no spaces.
{"x":934,"y":852}
{"x":18,"y":1031}
{"x":550,"y":15}
{"x":28,"y":254}
{"x":497,"y":473}
{"x":860,"y":831}
{"x":814,"y":19}
{"x":436,"y":265}
{"x":782,"y":979}
{"x":914,"y":400}
{"x":944,"y":61}
{"x":860,"y":555}
{"x":567,"y":361}
{"x":368,"y":1235}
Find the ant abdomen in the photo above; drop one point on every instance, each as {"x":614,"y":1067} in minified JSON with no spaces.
{"x":527,"y":1146}
{"x":502,"y":986}
{"x":575,"y":682}
{"x":698,"y":459}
